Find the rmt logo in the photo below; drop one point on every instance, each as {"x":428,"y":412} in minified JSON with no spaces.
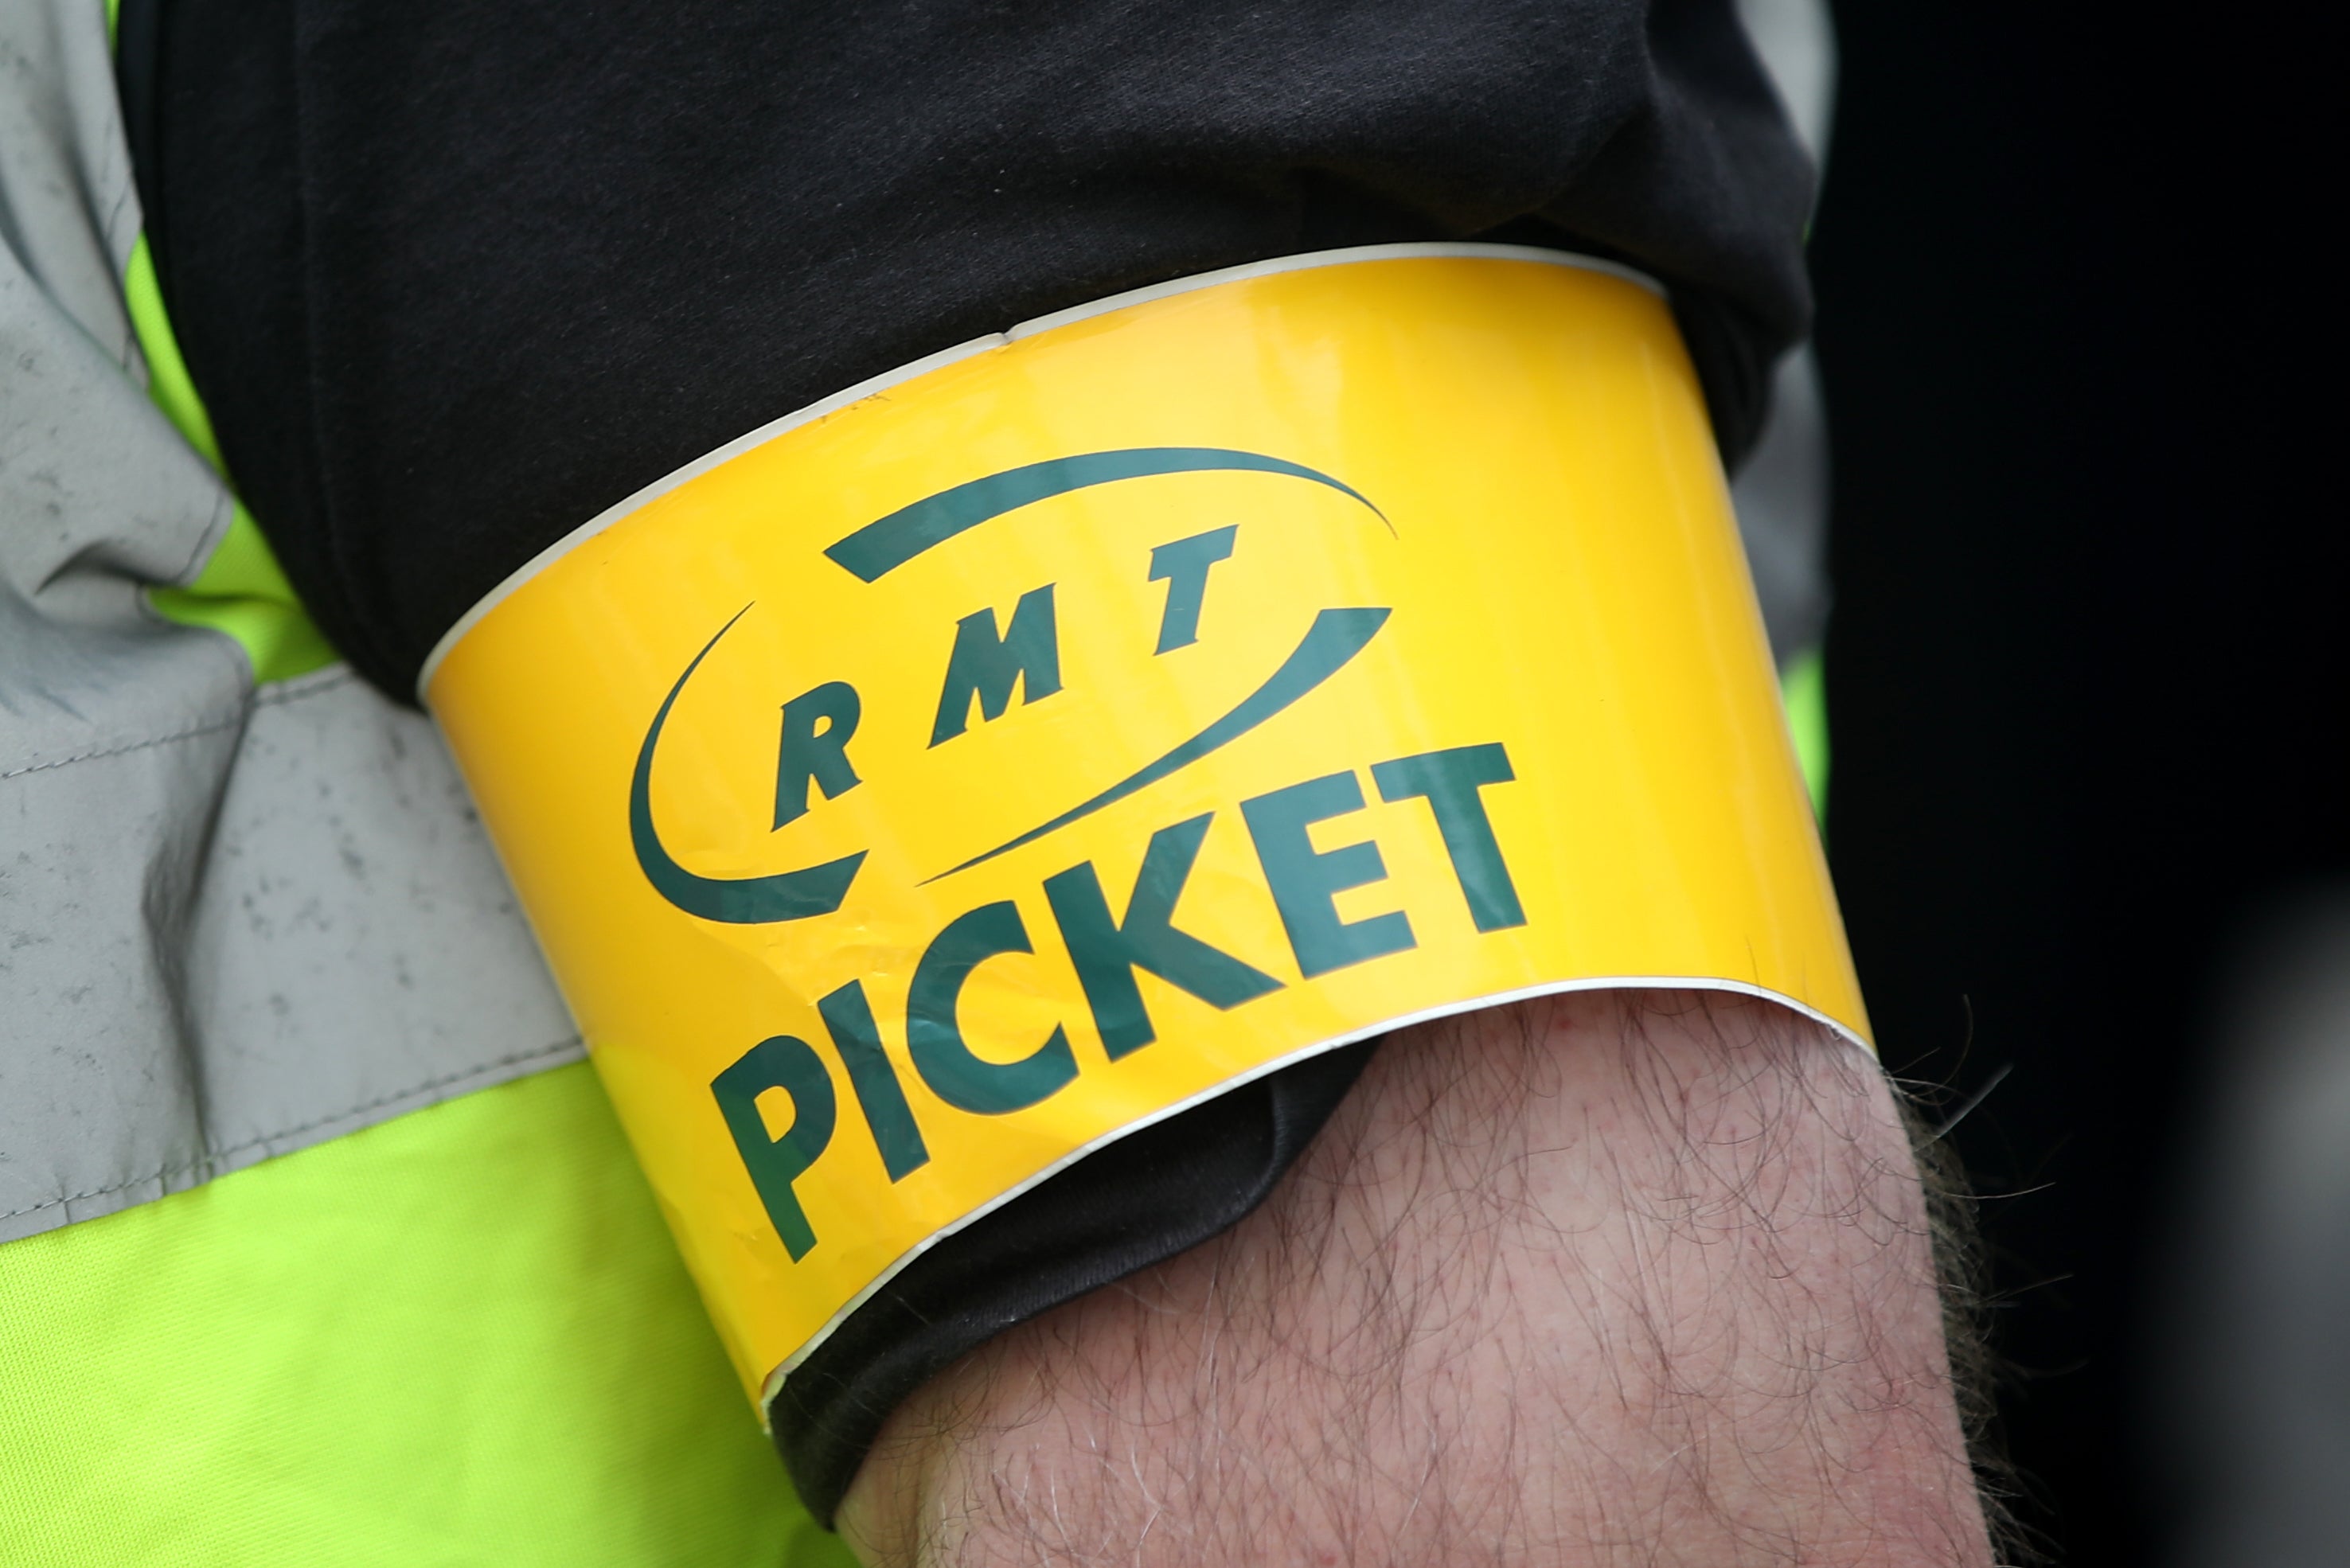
{"x":990,"y":660}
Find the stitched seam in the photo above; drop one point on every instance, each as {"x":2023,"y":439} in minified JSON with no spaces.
{"x":224,"y":513}
{"x":216,"y":1156}
{"x":278,"y":693}
{"x":134,"y":357}
{"x":212,"y":729}
{"x":271,"y":696}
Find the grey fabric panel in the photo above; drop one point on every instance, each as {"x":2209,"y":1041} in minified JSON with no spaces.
{"x":1782,"y":494}
{"x":354,"y":950}
{"x":98,"y":1092}
{"x":242,"y":938}
{"x":1797,"y":39}
{"x":229,"y":926}
{"x":1782,"y":500}
{"x":115,"y":733}
{"x":69,"y":211}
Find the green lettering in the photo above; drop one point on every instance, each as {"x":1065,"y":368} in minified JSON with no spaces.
{"x":985,"y":665}
{"x":790,"y":1065}
{"x":809,"y":755}
{"x":1303,"y":880}
{"x":1448,"y":781}
{"x":934,"y":1033}
{"x":1108,"y":952}
{"x":1183,"y":565}
{"x":850,"y":1018}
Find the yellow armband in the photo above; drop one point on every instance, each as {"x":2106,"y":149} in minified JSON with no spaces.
{"x":1020,"y":748}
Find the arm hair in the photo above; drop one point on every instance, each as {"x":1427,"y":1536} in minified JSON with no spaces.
{"x":1614,"y":1277}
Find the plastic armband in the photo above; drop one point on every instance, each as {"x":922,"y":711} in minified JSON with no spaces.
{"x":1013,"y":751}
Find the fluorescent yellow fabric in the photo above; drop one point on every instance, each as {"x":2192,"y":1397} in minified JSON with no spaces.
{"x":1804,"y":688}
{"x":461,"y":1336}
{"x":241,"y":593}
{"x":167,"y":382}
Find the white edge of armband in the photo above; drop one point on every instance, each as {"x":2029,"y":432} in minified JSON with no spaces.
{"x":923,"y":367}
{"x":772,"y":1384}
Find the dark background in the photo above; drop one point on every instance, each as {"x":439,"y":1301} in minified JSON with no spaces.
{"x":2078,"y":292}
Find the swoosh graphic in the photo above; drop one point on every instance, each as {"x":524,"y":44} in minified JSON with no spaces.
{"x":738,"y":901}
{"x":886,"y":544}
{"x":1330,"y":644}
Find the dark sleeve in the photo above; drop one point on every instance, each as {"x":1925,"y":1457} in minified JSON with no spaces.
{"x":454,"y":278}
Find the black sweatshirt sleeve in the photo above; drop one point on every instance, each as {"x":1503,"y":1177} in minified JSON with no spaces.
{"x":454,"y":278}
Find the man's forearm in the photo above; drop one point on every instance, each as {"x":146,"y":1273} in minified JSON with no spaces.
{"x":1616,"y":1277}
